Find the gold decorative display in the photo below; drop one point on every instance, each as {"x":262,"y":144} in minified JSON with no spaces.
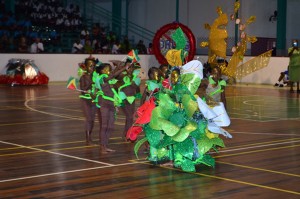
{"x":217,"y":46}
{"x":253,"y":65}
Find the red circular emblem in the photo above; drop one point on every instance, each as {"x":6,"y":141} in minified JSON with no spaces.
{"x":162,"y":41}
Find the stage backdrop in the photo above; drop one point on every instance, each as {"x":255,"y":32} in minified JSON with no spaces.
{"x":59,"y":67}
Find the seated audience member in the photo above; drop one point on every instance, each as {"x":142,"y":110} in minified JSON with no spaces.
{"x":150,"y":49}
{"x":37,"y":46}
{"x":22,"y":45}
{"x":115,"y":47}
{"x":77,"y":47}
{"x":141,"y":47}
{"x":283,"y":79}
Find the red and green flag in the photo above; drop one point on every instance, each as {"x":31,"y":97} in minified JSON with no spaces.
{"x":72,"y":83}
{"x":133,"y":56}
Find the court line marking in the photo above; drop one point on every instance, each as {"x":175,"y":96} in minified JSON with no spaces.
{"x":117,"y":138}
{"x":12,"y":107}
{"x":237,"y":148}
{"x":56,"y":107}
{"x":70,"y":171}
{"x":231,"y":180}
{"x":147,"y":162}
{"x":41,"y":145}
{"x":74,"y":110}
{"x":55,"y":153}
{"x":65,"y":119}
{"x":35,"y":122}
{"x":259,"y":169}
{"x":57,"y":149}
{"x":43,"y":112}
{"x":257,"y":146}
{"x":216,"y":176}
{"x":255,"y":151}
{"x":259,"y":143}
{"x":58,"y":115}
{"x":256,"y":120}
{"x":285,"y":134}
{"x":62,"y":143}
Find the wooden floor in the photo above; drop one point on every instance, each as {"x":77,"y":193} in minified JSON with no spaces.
{"x":43,"y":153}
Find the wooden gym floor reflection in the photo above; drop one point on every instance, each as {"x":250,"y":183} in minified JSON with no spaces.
{"x":43,"y":152}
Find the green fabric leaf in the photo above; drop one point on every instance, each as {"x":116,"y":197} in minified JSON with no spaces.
{"x":122,"y":95}
{"x":130,"y":99}
{"x":153,"y":154}
{"x":138,"y":145}
{"x":205,"y":144}
{"x":112,"y":81}
{"x":159,"y":120}
{"x":206,"y":159}
{"x":154,"y":136}
{"x":178,"y":118}
{"x":185,"y":132}
{"x":218,"y":142}
{"x":162,"y":152}
{"x":178,"y":160}
{"x":191,"y":81}
{"x":165,"y":141}
{"x":190,"y":106}
{"x":179,"y":91}
{"x":152,"y":85}
{"x":137,"y":81}
{"x":136,"y":72}
{"x":188,"y":165}
{"x":180,"y":39}
{"x":186,"y":148}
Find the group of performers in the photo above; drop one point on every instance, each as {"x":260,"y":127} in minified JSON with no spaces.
{"x":176,"y":112}
{"x":102,"y":90}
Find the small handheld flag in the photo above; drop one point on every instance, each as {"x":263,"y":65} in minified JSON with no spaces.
{"x":133,"y":56}
{"x":72,"y":84}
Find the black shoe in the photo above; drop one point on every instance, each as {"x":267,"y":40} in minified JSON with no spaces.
{"x":276,"y":84}
{"x":280,"y":85}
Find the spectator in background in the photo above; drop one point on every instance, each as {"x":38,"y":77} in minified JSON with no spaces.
{"x":77,"y":47}
{"x":283,"y":79}
{"x":84,"y":32}
{"x":141,"y":47}
{"x":125,"y":46}
{"x":150,"y":49}
{"x":96,"y":45}
{"x":294,"y":65}
{"x":22,"y":45}
{"x":37,"y":46}
{"x":96,"y":31}
{"x":88,"y":46}
{"x":115,"y":48}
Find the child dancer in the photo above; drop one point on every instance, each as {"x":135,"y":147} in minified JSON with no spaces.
{"x":128,"y":84}
{"x":88,"y":107}
{"x":216,"y":86}
{"x":154,"y":75}
{"x":107,"y":98}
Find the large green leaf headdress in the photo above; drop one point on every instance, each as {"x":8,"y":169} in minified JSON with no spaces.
{"x":175,"y":57}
